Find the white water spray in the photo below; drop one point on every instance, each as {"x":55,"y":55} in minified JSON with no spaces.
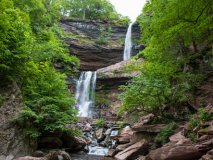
{"x":85,"y":89}
{"x":128,"y":43}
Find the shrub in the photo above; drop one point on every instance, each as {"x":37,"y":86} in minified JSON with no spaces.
{"x":100,"y":123}
{"x":167,"y":131}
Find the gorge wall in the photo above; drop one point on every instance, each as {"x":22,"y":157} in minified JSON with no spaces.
{"x":91,"y":55}
{"x":12,"y":139}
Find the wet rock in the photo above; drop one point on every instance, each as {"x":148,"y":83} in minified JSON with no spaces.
{"x":86,"y":148}
{"x":155,"y":128}
{"x":29,"y":158}
{"x":38,"y":154}
{"x":99,"y":134}
{"x":49,"y":142}
{"x":124,"y":137}
{"x":52,"y":155}
{"x":65,"y":155}
{"x":133,"y":151}
{"x":111,"y":153}
{"x":87,"y":128}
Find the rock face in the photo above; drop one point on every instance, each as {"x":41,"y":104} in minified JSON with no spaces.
{"x":180,"y":151}
{"x":115,"y":71}
{"x":92,"y":56}
{"x":13,"y":142}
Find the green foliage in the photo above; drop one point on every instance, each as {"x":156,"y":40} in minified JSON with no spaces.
{"x":167,"y":132}
{"x":48,"y":103}
{"x":101,"y":36}
{"x":100,"y":123}
{"x":91,"y":9}
{"x":30,"y":45}
{"x":125,"y":21}
{"x":203,"y":115}
{"x":171,"y":71}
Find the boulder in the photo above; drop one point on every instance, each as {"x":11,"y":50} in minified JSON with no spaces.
{"x":155,"y":128}
{"x":74,"y":142}
{"x":52,"y":155}
{"x":49,"y":142}
{"x":122,"y":147}
{"x":180,"y":151}
{"x":133,"y":151}
{"x":65,"y":155}
{"x":99,"y":134}
{"x":208,"y":156}
{"x":87,"y":128}
{"x":137,"y":136}
{"x":29,"y":158}
{"x":111,"y":153}
{"x":38,"y":154}
{"x":176,"y":137}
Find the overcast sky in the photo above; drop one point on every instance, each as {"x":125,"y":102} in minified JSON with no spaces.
{"x":131,"y":8}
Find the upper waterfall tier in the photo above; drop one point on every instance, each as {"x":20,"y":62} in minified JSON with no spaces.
{"x":128,"y":43}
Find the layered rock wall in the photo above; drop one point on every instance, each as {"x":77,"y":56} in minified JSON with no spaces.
{"x":13,"y":142}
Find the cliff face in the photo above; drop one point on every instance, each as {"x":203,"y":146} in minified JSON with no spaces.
{"x":91,"y":55}
{"x":13,"y":142}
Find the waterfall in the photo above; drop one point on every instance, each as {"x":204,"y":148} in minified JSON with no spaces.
{"x":85,"y":89}
{"x":128,"y":43}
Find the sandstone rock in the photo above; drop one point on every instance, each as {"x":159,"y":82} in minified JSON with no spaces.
{"x":137,"y":136}
{"x":74,"y":142}
{"x":38,"y":154}
{"x":65,"y":155}
{"x":86,"y":120}
{"x":124,"y":137}
{"x":52,"y":155}
{"x":208,"y":156}
{"x":99,"y":134}
{"x":180,"y":151}
{"x":111,"y":153}
{"x":122,"y":147}
{"x":133,"y":151}
{"x":29,"y":158}
{"x":176,"y":137}
{"x":50,"y":142}
{"x":155,"y":128}
{"x":206,"y":131}
{"x":87,"y":128}
{"x":97,"y":56}
{"x":12,"y":139}
{"x":86,"y":148}
{"x":115,"y":71}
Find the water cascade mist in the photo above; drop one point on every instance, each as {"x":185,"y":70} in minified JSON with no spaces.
{"x":84,"y":95}
{"x":128,"y":43}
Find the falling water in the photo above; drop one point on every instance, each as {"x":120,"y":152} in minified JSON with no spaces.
{"x":128,"y":43}
{"x":85,"y":89}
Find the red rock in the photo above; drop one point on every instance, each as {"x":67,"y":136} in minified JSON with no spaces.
{"x":87,"y":128}
{"x":155,"y":128}
{"x":208,"y":156}
{"x":176,"y":137}
{"x":111,"y":153}
{"x":124,"y":137}
{"x":29,"y":158}
{"x":52,"y":155}
{"x":38,"y":154}
{"x":99,"y":133}
{"x":133,"y":151}
{"x":180,"y":151}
